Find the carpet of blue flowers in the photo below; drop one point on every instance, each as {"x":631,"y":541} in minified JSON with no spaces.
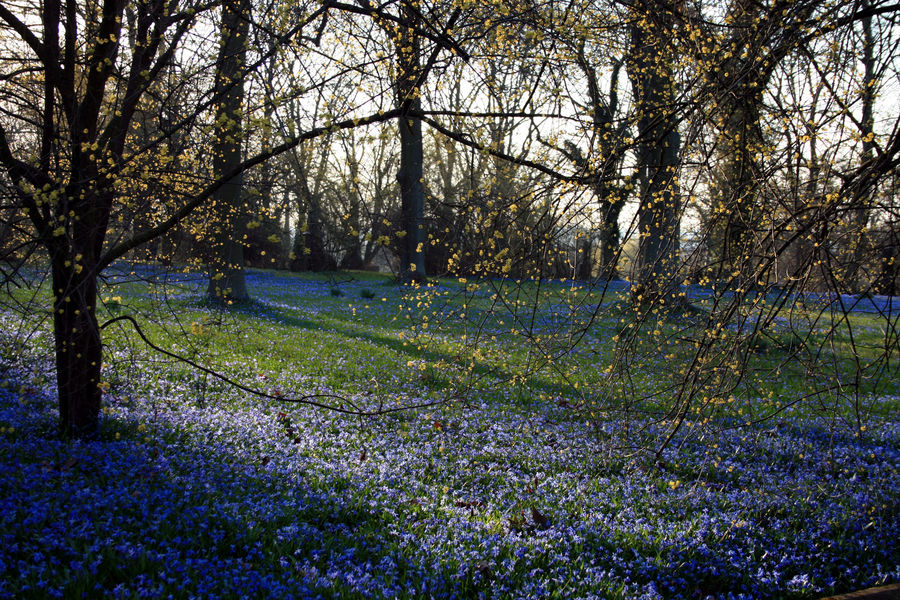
{"x":230,"y":496}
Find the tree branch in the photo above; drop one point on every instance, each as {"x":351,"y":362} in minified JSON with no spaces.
{"x":27,"y":36}
{"x":367,"y":9}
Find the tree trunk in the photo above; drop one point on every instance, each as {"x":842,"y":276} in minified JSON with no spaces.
{"x":412,"y":198}
{"x":309,"y":243}
{"x":314,"y":237}
{"x":352,"y":258}
{"x":609,"y":197}
{"x":584,"y":249}
{"x":650,"y":70}
{"x":736,"y":189}
{"x":759,"y":40}
{"x":353,"y":254}
{"x":609,"y":232}
{"x":890,"y":264}
{"x":226,"y":269}
{"x":859,"y":216}
{"x":412,"y":191}
{"x":658,"y":219}
{"x":79,"y":353}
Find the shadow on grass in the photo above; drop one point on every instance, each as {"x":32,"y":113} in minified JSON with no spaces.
{"x":257,"y":309}
{"x":124,"y":516}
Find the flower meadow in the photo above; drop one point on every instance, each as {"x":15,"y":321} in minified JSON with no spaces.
{"x":196,"y":489}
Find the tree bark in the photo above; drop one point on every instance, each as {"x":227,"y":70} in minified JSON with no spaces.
{"x":859,"y":217}
{"x":353,"y":258}
{"x":610,"y":198}
{"x":584,"y":250}
{"x":74,"y":253}
{"x":650,"y":71}
{"x":740,"y":140}
{"x":79,"y":352}
{"x":314,"y":236}
{"x":226,"y":268}
{"x":309,"y":243}
{"x":760,"y":39}
{"x":611,"y":204}
{"x":409,"y":176}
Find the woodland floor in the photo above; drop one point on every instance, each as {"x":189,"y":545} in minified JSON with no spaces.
{"x":516,"y":482}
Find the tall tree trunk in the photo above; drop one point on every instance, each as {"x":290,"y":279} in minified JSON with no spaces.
{"x":309,"y":242}
{"x":610,"y":198}
{"x":736,"y":189}
{"x":412,"y":198}
{"x":314,"y":236}
{"x":409,"y":176}
{"x":889,"y":257}
{"x":650,"y":71}
{"x":353,"y":258}
{"x":611,"y":206}
{"x":659,"y":217}
{"x":760,"y":38}
{"x":353,"y":254}
{"x":74,"y":254}
{"x":859,"y":217}
{"x":584,"y":249}
{"x":226,"y":268}
{"x":803,"y":249}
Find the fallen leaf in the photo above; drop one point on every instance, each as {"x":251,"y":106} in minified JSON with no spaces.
{"x":484,"y":568}
{"x":539,"y":519}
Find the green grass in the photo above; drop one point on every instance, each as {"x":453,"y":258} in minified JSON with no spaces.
{"x":469,"y":335}
{"x":536,"y":413}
